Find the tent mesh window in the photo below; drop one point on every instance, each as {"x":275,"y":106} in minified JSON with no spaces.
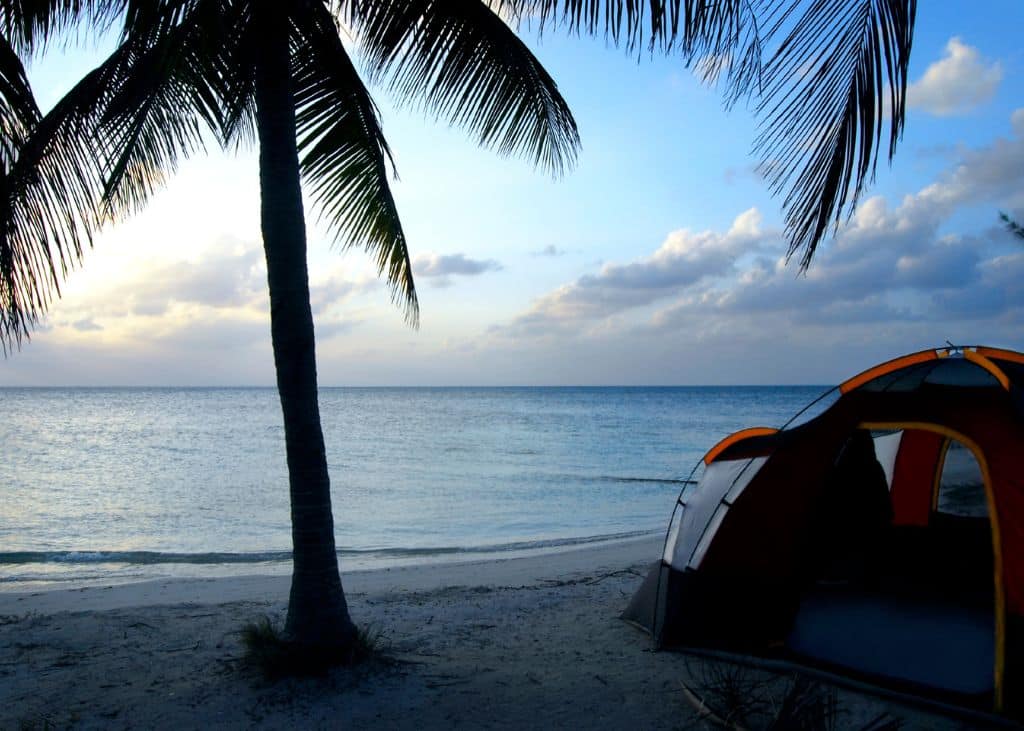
{"x":961,"y":486}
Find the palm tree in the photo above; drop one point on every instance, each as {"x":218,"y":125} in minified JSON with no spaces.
{"x":278,"y":72}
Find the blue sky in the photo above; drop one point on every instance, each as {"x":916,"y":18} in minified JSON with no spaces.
{"x":657,"y":260}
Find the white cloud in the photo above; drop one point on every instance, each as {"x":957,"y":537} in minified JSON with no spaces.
{"x":957,"y":84}
{"x":684,"y":258}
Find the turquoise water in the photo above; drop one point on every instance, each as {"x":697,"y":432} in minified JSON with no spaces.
{"x":124,"y":484}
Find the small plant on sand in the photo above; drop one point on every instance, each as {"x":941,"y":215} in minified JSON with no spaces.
{"x":270,"y":651}
{"x":736,"y":697}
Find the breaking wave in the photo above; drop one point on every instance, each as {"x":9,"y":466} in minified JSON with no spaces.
{"x":225,"y":558}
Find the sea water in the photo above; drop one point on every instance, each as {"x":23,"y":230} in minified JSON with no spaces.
{"x":111,"y":485}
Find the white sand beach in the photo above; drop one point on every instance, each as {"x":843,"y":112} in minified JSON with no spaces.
{"x":529,"y":642}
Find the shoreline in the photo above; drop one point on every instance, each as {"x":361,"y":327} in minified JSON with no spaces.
{"x":518,"y":570}
{"x":48,"y":569}
{"x":519,"y":642}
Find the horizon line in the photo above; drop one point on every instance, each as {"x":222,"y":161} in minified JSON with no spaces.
{"x":422,"y":386}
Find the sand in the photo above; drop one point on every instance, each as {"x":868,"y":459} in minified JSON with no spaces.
{"x":532,"y":642}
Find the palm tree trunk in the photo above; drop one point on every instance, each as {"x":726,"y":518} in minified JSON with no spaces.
{"x":317,"y":611}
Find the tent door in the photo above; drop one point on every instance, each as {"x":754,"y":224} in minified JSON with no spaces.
{"x":918,"y":610}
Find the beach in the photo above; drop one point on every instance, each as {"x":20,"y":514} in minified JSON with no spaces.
{"x":526,"y":642}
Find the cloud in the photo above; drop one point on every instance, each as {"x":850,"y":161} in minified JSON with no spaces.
{"x":228,"y":276}
{"x":549,"y":250}
{"x":440,"y":268}
{"x":957,"y":84}
{"x":443,"y":265}
{"x":685,"y":257}
{"x":215,"y":301}
{"x":891,"y":265}
{"x":336,"y":291}
{"x":86,"y":325}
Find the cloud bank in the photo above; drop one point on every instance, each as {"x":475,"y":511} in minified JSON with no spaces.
{"x":684,"y":258}
{"x":892,"y":277}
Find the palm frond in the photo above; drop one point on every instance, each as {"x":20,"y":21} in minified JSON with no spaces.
{"x":98,"y":154}
{"x":459,"y":60}
{"x":49,"y":209}
{"x":168,"y":81}
{"x":30,"y":24}
{"x":717,"y":37}
{"x":1012,"y":225}
{"x":18,"y":110}
{"x":632,"y":23}
{"x":344,"y":156}
{"x":238,"y":125}
{"x":820,"y":95}
{"x":19,"y":115}
{"x":823,"y":112}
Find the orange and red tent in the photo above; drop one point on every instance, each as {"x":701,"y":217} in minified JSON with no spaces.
{"x":934,"y":601}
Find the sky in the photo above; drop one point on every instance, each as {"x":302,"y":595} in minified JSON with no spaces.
{"x":659,"y":259}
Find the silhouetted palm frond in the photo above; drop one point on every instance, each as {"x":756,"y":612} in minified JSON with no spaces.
{"x":239,"y":103}
{"x":29,"y":24}
{"x":344,"y":154}
{"x":823,"y":110}
{"x":1012,"y":226}
{"x":716,"y":37}
{"x":167,"y":82}
{"x":19,"y":115}
{"x":459,"y":59}
{"x":50,"y":205}
{"x":18,"y":110}
{"x":826,"y":76}
{"x":98,"y":154}
{"x":52,"y":184}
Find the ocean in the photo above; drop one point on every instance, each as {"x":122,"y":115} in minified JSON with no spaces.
{"x":108,"y":485}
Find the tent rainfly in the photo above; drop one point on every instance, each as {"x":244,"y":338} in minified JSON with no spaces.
{"x":850,"y":540}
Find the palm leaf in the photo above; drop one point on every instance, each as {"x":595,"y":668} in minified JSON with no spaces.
{"x":822,"y":112}
{"x":168,"y":80}
{"x":344,"y":154}
{"x":49,"y":208}
{"x":99,"y":153}
{"x":458,"y":59}
{"x":715,"y":36}
{"x":819,"y":95}
{"x":238,"y":124}
{"x":1012,"y":225}
{"x":18,"y":110}
{"x":632,"y":23}
{"x":29,"y":24}
{"x":19,"y":115}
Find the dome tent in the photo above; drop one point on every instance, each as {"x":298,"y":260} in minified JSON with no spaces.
{"x":783,"y":547}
